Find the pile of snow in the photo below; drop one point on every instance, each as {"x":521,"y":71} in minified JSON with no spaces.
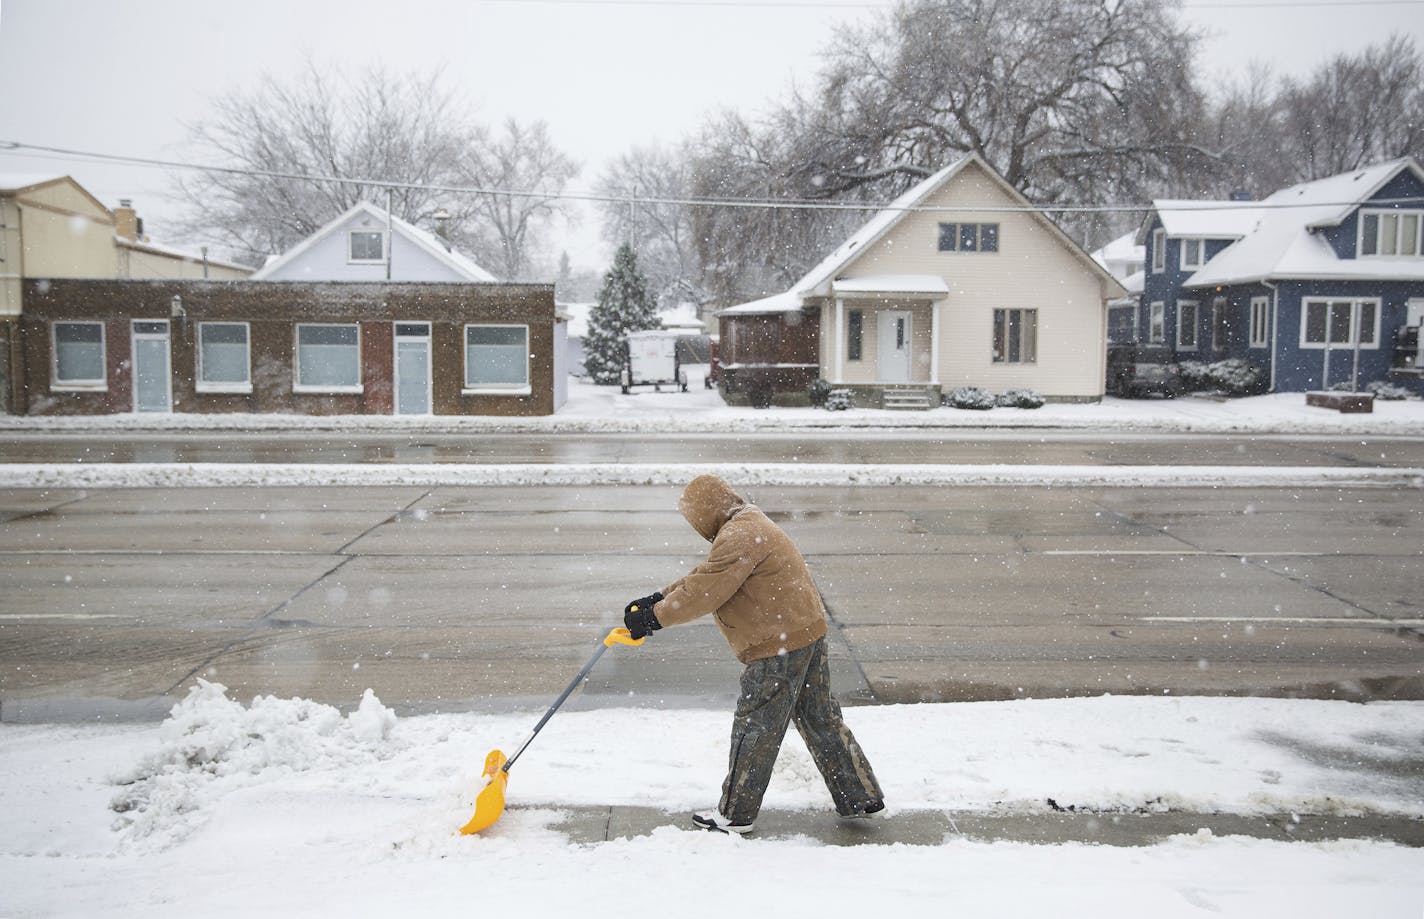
{"x":212,"y":745}
{"x":289,"y":808}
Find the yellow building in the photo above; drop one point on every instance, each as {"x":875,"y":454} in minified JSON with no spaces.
{"x":51,"y":227}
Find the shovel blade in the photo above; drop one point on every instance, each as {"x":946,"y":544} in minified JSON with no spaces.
{"x":489,"y":804}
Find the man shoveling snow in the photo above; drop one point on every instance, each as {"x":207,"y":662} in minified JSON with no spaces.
{"x":756,"y":585}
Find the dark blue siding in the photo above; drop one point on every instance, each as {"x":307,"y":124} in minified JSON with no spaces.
{"x":1300,"y":369}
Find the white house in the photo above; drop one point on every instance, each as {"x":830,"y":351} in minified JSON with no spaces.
{"x":368,"y":244}
{"x":959,"y":282}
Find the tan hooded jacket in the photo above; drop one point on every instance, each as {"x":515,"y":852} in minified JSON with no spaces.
{"x":754,"y":582}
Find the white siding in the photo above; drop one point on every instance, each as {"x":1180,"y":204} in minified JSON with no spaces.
{"x":1034,"y":269}
{"x":327,"y":260}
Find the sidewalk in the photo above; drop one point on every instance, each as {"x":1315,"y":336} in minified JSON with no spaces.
{"x":584,"y":825}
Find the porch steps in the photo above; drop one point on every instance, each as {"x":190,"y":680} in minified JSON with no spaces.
{"x":909,"y":399}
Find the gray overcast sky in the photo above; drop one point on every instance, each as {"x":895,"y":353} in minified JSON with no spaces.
{"x":121,"y":76}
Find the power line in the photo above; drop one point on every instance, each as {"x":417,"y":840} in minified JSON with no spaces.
{"x":13,"y":148}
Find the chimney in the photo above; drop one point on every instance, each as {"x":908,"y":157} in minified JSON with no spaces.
{"x":126,"y":222}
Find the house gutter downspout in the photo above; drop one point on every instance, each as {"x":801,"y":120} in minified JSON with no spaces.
{"x":1275,"y":325}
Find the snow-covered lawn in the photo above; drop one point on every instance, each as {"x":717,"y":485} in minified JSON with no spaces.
{"x":288,"y":808}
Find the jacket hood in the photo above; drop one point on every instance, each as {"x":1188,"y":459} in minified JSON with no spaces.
{"x":708,"y":502}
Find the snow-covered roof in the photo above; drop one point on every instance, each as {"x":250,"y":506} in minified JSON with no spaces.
{"x":458,"y":262}
{"x":1125,"y":248}
{"x":148,"y":245}
{"x":776,"y":303}
{"x":1207,"y":219}
{"x":874,"y":228}
{"x":1281,"y":244}
{"x":821,"y":280}
{"x":892,"y":284}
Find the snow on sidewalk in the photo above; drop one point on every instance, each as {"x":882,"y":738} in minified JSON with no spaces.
{"x":288,"y":808}
{"x":603,"y":409}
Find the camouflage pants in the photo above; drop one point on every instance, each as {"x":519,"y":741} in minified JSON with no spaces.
{"x":775,"y":692}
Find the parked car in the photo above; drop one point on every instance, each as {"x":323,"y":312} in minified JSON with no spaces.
{"x":1140,"y":370}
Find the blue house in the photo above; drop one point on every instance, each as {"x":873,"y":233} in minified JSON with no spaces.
{"x":1320,"y":284}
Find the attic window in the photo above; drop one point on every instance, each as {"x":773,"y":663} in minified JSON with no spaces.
{"x":367,"y":246}
{"x":1391,"y":233}
{"x":969,"y":237}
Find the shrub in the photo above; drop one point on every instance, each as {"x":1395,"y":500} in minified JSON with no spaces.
{"x":1235,"y":376}
{"x":817,"y":391}
{"x":1195,"y":376}
{"x":1388,"y":392}
{"x":1020,"y":398}
{"x":837,"y":400}
{"x":970,"y":397}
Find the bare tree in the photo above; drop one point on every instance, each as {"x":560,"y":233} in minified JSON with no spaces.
{"x":1356,"y":109}
{"x":1073,"y":101}
{"x":288,"y":146}
{"x":648,"y":189}
{"x":522,"y":175}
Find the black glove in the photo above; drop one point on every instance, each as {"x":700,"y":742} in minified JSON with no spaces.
{"x":638,"y":616}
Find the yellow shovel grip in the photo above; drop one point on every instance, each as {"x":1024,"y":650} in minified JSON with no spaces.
{"x":623,"y":637}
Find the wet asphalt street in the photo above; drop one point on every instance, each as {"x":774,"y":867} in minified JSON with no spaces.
{"x":1037,"y":447}
{"x":446,"y":598}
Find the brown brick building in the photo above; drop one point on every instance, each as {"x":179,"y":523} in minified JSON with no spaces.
{"x":324,"y":348}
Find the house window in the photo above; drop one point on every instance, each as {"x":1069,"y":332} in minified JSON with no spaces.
{"x":1220,"y":324}
{"x":854,"y":334}
{"x":1015,"y":336}
{"x":1159,"y":250}
{"x":1260,"y":320}
{"x":224,"y":357}
{"x":1157,"y":322}
{"x":969,"y":237}
{"x":1186,"y":326}
{"x":1391,"y":233}
{"x":1193,"y":253}
{"x":328,"y":358}
{"x":497,"y":357}
{"x":368,"y":246}
{"x":1335,"y":322}
{"x":78,"y":349}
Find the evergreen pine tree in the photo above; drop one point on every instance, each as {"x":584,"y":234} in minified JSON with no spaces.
{"x":624,"y":305}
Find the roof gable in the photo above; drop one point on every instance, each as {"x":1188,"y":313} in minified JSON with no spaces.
{"x":1282,"y":244}
{"x":819,"y":281}
{"x":461,"y":265}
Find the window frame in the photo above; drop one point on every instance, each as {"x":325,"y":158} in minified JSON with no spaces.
{"x":1195,"y":324}
{"x":1002,"y":349}
{"x":1159,"y":250}
{"x":1399,"y":214}
{"x":1260,"y":322}
{"x":351,"y":258}
{"x":493,"y":389}
{"x":954,"y":233}
{"x":1157,"y":322}
{"x":324,"y":388}
{"x":1355,"y":303}
{"x":230,"y":386}
{"x":99,"y":384}
{"x":1200,"y":260}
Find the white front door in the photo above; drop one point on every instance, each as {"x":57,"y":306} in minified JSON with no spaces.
{"x":412,"y":383}
{"x":894,"y":351}
{"x":153,"y":379}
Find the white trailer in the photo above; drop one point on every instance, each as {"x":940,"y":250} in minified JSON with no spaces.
{"x":652,"y":360}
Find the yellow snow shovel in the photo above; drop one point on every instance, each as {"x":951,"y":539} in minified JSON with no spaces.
{"x":489,"y":805}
